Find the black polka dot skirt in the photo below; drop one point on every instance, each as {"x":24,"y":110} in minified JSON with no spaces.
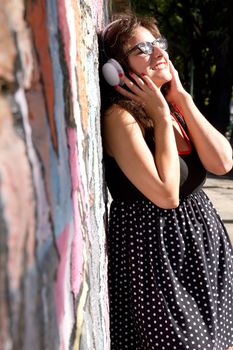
{"x":170,"y":277}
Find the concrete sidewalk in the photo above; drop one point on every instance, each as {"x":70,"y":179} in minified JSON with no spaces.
{"x":220,"y":191}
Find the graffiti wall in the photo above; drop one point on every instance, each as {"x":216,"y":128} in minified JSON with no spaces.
{"x":53,"y":288}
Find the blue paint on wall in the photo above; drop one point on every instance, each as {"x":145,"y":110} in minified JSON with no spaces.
{"x":60,"y":171}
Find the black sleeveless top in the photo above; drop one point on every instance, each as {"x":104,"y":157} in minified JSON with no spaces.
{"x":192,"y":173}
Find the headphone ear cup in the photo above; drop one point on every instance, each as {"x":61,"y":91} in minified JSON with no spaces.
{"x":111,"y":71}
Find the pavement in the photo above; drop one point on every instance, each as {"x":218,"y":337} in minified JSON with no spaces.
{"x":220,"y":191}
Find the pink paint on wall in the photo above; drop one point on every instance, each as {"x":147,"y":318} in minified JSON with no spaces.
{"x":62,"y":246}
{"x":63,"y":27}
{"x":60,"y":285}
{"x":17,"y":196}
{"x":77,"y":243}
{"x":78,"y":197}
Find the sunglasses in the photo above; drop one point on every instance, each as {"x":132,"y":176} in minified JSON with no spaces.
{"x":147,"y":47}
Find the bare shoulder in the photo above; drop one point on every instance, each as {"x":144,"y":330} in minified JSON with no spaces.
{"x":117,"y":114}
{"x":118,"y":125}
{"x":118,"y":117}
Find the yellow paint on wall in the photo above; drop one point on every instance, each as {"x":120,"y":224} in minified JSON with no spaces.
{"x":81,"y":303}
{"x":80,"y":66}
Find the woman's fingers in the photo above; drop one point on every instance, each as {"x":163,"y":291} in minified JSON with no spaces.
{"x":149,"y":83}
{"x":138,"y":80}
{"x":132,"y":85}
{"x":171,"y":66}
{"x":136,"y":93}
{"x":142,"y":90}
{"x":128,"y":94}
{"x":144,"y":82}
{"x":176,"y":85}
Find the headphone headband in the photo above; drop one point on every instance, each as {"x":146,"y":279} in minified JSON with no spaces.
{"x":106,"y":29}
{"x":108,"y":26}
{"x":112,"y":69}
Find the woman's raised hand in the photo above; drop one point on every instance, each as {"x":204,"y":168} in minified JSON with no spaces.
{"x":146,"y":93}
{"x":176,"y":89}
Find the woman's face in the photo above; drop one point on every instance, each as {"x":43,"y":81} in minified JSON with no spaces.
{"x":155,"y":65}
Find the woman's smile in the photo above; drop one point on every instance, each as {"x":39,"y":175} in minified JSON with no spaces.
{"x":160,"y":65}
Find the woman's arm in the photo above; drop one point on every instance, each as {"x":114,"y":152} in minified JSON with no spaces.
{"x":157,"y":175}
{"x":213,"y":148}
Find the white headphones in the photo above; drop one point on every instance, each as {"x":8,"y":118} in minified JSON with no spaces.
{"x":111,"y":69}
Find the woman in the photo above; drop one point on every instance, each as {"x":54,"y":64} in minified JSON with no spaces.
{"x":170,"y":259}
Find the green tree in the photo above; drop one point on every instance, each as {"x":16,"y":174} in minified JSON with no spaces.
{"x":200,"y":45}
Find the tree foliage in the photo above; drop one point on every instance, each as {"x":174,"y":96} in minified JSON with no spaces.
{"x":200,"y":40}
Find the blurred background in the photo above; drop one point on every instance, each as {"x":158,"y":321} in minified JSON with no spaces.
{"x":199,"y":34}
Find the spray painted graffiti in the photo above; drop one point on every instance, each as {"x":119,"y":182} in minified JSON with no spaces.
{"x":53,"y":288}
